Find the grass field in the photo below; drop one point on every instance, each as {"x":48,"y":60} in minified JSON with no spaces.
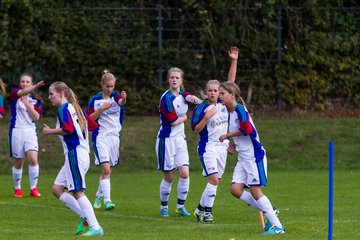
{"x":298,"y":186}
{"x":300,"y":196}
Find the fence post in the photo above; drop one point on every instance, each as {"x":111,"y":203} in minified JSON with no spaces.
{"x":159,"y":29}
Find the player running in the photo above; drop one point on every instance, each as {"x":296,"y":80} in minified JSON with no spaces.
{"x":72,"y":128}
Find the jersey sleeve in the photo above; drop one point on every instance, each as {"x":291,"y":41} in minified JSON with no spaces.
{"x":198,"y":114}
{"x":184,"y":93}
{"x":117,"y":96}
{"x":92,"y":125}
{"x":90,"y":109}
{"x":13,"y":94}
{"x":38,"y":107}
{"x":2,"y":110}
{"x":244,"y":126}
{"x":66,"y":122}
{"x":167,"y":109}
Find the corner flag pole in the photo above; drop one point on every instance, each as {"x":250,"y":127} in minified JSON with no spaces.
{"x":331,"y":189}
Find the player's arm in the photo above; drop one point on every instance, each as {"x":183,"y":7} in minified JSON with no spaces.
{"x":190,"y":98}
{"x":179,"y":120}
{"x":122,"y":100}
{"x":233,"y":54}
{"x":26,"y":91}
{"x":208,"y":114}
{"x":96,"y":114}
{"x":230,"y":135}
{"x":193,"y":99}
{"x":53,"y":131}
{"x":30,"y":109}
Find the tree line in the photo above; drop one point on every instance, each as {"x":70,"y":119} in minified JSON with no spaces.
{"x":297,"y":53}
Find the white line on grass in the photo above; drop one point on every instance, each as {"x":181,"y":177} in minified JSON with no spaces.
{"x":122,"y":215}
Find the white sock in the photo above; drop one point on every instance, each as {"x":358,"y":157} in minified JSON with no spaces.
{"x":202,"y":199}
{"x":105,"y":188}
{"x":99,"y":191}
{"x":17,"y":174}
{"x":165,"y":189}
{"x":250,"y":200}
{"x":71,"y":203}
{"x":210,"y":194}
{"x":88,"y":212}
{"x":33,"y":175}
{"x":183,"y":189}
{"x":267,"y":208}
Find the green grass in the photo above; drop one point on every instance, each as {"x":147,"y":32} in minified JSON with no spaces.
{"x":301,"y":197}
{"x":297,"y":154}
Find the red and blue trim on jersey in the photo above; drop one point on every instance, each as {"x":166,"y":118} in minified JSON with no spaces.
{"x":247,"y":128}
{"x":2,"y":110}
{"x":13,"y":100}
{"x":198,"y":115}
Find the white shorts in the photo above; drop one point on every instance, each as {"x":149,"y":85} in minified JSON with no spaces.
{"x":22,"y":140}
{"x":171,"y":153}
{"x":106,"y":150}
{"x":250,"y":172}
{"x":213,"y":160}
{"x":72,"y":173}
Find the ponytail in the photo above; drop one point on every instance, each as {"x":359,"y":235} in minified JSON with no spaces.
{"x":233,"y":88}
{"x":2,"y":88}
{"x":71,"y":97}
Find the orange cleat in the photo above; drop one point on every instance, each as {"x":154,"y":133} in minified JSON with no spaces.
{"x":34,"y":193}
{"x":18,"y":192}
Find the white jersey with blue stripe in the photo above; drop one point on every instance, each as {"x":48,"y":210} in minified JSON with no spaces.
{"x":67,"y":120}
{"x":171,"y":108}
{"x":110,"y":119}
{"x":248,"y":145}
{"x":216,"y":126}
{"x":20,"y":117}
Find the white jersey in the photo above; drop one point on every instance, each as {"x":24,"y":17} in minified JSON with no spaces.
{"x":67,"y":120}
{"x":216,"y":126}
{"x":20,"y":117}
{"x":171,"y":108}
{"x":248,"y":145}
{"x":110,"y":120}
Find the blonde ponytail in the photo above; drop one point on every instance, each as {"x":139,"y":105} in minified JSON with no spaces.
{"x":71,"y":97}
{"x":2,"y":88}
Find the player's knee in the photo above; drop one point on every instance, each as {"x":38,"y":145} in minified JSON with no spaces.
{"x":236,"y":191}
{"x":57,"y":191}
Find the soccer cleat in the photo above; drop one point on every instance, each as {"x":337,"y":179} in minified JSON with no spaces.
{"x":35,"y":193}
{"x":198,"y":216}
{"x":275,"y":230}
{"x":268,"y":224}
{"x":207,"y":218}
{"x":109,"y":205}
{"x":164,"y":212}
{"x":182,"y":212}
{"x":94,"y":232}
{"x":83,"y":226}
{"x":97,"y":202}
{"x":18,"y":192}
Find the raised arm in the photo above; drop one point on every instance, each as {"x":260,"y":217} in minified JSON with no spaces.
{"x":25,"y":91}
{"x":233,"y":54}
